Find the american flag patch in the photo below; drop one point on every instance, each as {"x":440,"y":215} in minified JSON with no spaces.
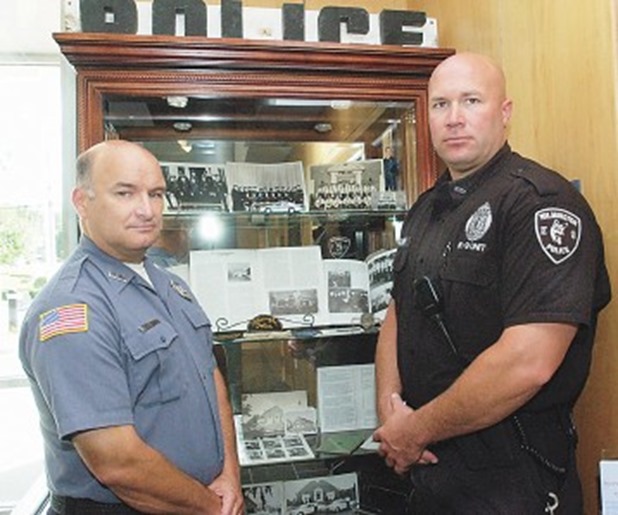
{"x":72,"y":318}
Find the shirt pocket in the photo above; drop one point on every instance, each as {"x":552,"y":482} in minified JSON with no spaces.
{"x":472,"y":301}
{"x":156,"y":365}
{"x":473,"y":271}
{"x":203,"y":342}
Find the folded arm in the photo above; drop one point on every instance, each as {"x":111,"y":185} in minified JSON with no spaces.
{"x":497,"y":383}
{"x":140,"y":475}
{"x":146,"y":480}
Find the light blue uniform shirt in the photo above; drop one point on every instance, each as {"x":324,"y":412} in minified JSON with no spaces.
{"x":141,"y":355}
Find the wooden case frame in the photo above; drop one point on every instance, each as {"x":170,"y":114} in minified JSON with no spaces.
{"x":108,"y":64}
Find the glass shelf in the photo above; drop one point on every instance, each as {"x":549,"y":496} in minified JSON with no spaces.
{"x":172,"y":217}
{"x":300,"y":334}
{"x":351,"y":234}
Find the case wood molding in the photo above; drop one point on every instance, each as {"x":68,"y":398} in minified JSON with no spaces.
{"x":166,"y":65}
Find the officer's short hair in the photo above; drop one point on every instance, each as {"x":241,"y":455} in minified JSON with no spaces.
{"x":85,"y":164}
{"x":83,"y":169}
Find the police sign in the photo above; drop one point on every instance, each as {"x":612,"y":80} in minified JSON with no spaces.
{"x":291,"y":22}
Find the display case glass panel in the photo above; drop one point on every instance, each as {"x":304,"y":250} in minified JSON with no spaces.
{"x":276,"y":171}
{"x":275,"y":155}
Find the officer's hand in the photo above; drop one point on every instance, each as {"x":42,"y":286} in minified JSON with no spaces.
{"x":230,"y":493}
{"x":396,"y":436}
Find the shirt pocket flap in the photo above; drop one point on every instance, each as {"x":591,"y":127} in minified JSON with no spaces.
{"x":196,"y":316}
{"x":469,"y":270}
{"x":156,"y":337}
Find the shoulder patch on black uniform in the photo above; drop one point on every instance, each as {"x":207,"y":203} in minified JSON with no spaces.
{"x":558,"y":232}
{"x":543,"y":180}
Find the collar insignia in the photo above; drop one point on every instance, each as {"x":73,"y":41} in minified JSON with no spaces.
{"x":118,"y":277}
{"x":181,"y":291}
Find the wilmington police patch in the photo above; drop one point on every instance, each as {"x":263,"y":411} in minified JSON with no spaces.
{"x":558,"y":232}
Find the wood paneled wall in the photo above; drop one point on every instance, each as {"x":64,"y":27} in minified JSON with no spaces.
{"x":560,"y":62}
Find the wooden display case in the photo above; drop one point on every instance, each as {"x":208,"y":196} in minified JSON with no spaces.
{"x":330,"y":110}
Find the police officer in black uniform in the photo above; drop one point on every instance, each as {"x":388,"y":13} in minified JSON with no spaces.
{"x":487,"y":342}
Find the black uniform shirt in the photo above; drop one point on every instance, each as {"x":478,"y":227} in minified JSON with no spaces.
{"x":513,"y":243}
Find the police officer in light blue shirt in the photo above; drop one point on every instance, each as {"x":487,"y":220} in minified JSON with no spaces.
{"x":133,"y":408}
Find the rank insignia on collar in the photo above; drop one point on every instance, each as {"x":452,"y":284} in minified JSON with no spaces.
{"x":117,"y":277}
{"x":558,"y":232}
{"x":181,"y":291}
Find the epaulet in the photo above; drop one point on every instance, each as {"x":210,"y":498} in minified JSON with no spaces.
{"x":545,"y":181}
{"x":72,"y":271}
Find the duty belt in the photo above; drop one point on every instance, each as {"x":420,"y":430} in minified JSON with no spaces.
{"x":73,"y":506}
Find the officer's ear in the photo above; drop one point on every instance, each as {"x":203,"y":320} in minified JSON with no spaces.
{"x":507,"y":111}
{"x":80,"y":198}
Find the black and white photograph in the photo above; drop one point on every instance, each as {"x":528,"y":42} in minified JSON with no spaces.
{"x":339,"y":279}
{"x":381,"y":297}
{"x":263,"y":413}
{"x":293,"y":440}
{"x":300,"y":421}
{"x":195,"y":186}
{"x":277,"y":449}
{"x":393,"y":200}
{"x":260,"y":429}
{"x":348,"y":300}
{"x":347,"y":293}
{"x":347,"y":185}
{"x":264,"y":498}
{"x":239,"y":272}
{"x":327,"y":494}
{"x":273,"y":448}
{"x":380,"y":267}
{"x":293,"y":302}
{"x":380,"y":271}
{"x":267,"y":188}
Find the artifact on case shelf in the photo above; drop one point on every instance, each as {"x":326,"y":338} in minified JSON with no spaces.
{"x":264,"y":323}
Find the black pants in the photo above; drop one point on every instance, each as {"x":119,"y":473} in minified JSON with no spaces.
{"x":523,"y":487}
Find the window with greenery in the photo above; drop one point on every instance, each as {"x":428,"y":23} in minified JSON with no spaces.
{"x":30,"y":234}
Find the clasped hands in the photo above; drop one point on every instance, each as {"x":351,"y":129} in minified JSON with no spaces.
{"x":396,"y":435}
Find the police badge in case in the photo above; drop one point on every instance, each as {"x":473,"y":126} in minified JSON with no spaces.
{"x":558,"y":231}
{"x":338,"y":246}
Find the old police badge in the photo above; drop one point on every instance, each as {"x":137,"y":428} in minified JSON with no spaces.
{"x":338,"y":246}
{"x":558,"y":231}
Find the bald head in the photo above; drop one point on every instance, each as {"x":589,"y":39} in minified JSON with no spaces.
{"x":87,"y":160}
{"x":119,"y":197}
{"x":466,"y":64}
{"x":468,"y":111}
